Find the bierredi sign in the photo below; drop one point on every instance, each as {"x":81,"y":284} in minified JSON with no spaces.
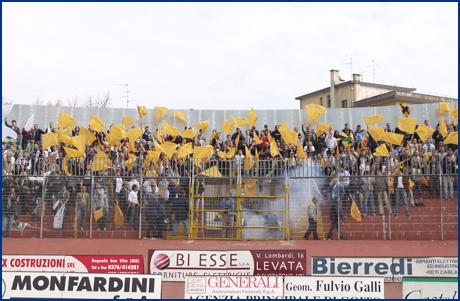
{"x":392,"y":269}
{"x":175,"y":265}
{"x":52,"y":285}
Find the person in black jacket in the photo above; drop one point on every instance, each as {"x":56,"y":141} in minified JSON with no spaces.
{"x":181,"y":213}
{"x":334,"y":216}
{"x":8,"y":200}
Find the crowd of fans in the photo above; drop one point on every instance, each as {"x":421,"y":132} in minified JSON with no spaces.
{"x":33,"y":175}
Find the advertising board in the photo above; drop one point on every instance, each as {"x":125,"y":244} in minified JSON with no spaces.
{"x":430,"y":288}
{"x":233,"y":287}
{"x":175,"y":265}
{"x":333,"y":288}
{"x":120,"y":264}
{"x":392,"y":269}
{"x":79,"y":285}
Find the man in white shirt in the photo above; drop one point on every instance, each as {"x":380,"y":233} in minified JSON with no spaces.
{"x":133,"y":182}
{"x":134,"y":206}
{"x":428,"y":146}
{"x":331,"y":142}
{"x":344,"y":179}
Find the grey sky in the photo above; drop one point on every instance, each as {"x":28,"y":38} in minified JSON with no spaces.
{"x":222,"y":55}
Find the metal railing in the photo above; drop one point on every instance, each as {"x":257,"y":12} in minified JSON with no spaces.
{"x":271,"y":199}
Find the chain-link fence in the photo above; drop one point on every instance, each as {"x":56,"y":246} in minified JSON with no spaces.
{"x":233,"y":200}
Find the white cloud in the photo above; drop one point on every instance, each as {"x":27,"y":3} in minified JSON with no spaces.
{"x":222,"y":55}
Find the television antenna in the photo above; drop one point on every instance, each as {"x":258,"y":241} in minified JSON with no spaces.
{"x":351,"y":62}
{"x":127,"y":93}
{"x":373,"y":67}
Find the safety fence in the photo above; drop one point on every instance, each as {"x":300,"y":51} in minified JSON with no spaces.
{"x":234,"y":200}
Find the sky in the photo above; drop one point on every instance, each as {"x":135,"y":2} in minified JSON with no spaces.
{"x":214,"y":56}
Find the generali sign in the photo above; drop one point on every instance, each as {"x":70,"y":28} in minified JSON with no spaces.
{"x":175,"y":265}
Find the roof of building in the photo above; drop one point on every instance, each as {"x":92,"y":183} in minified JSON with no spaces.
{"x":394,"y":88}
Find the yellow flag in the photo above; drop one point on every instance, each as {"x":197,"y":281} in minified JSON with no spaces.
{"x":393,"y":138}
{"x":65,"y":120}
{"x":100,"y":162}
{"x":79,"y":142}
{"x":283,"y":127}
{"x":231,"y":153}
{"x":191,"y":133}
{"x":321,"y":128}
{"x":407,"y":124}
{"x":64,"y":138}
{"x":159,"y":135}
{"x":66,"y":132}
{"x":212,"y":172}
{"x":355,"y":213}
{"x":158,"y":147}
{"x":112,"y":141}
{"x":127,"y":121}
{"x":274,"y":151}
{"x":452,"y":138}
{"x":427,"y":156}
{"x":89,"y":137}
{"x":405,"y":109}
{"x":118,"y":132}
{"x":455,"y":114}
{"x":169,"y":148}
{"x":96,"y":123}
{"x":180,"y":115}
{"x":444,"y":107}
{"x":269,"y":136}
{"x":185,"y":150}
{"x":314,"y":111}
{"x":443,"y":128}
{"x":130,"y":162}
{"x":256,"y":155}
{"x":240,"y":122}
{"x":169,"y":129}
{"x":118,"y":218}
{"x":381,"y":151}
{"x":289,"y":137}
{"x":369,"y":120}
{"x":300,"y":153}
{"x":64,"y":166}
{"x":134,"y":134}
{"x":142,"y":110}
{"x":424,"y":132}
{"x":98,"y":214}
{"x":237,"y":141}
{"x":227,"y":127}
{"x":213,"y":135}
{"x":203,"y":125}
{"x":252,"y":117}
{"x":73,"y":153}
{"x":154,"y":154}
{"x":376,"y":133}
{"x":49,"y":140}
{"x":250,"y":187}
{"x":159,"y":112}
{"x":201,"y":152}
{"x":257,"y":139}
{"x":248,"y":161}
{"x":222,"y":154}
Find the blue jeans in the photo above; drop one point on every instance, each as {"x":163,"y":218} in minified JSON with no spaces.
{"x":81,"y":215}
{"x":401,"y":193}
{"x":176,"y":225}
{"x":134,"y":219}
{"x":341,"y":209}
{"x":369,"y":195}
{"x":7,"y":223}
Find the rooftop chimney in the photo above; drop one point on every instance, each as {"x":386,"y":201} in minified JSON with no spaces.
{"x":356,"y":77}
